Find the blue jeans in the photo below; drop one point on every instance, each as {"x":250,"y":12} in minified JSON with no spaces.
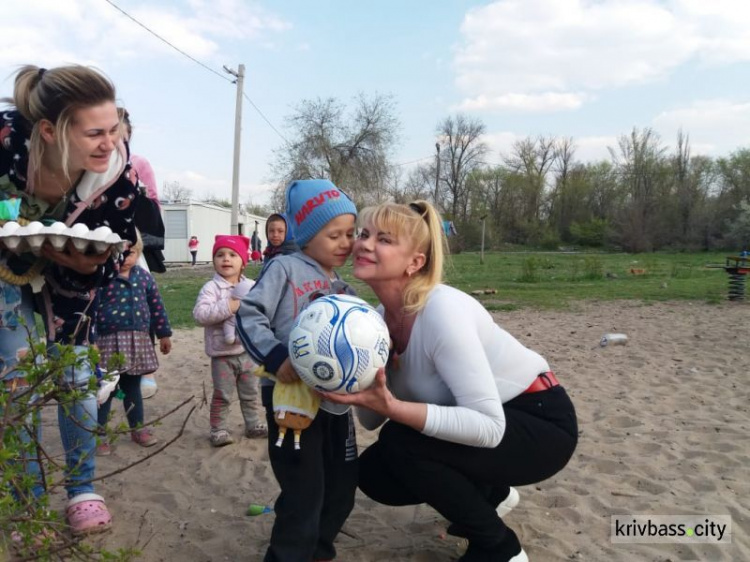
{"x":77,"y":419}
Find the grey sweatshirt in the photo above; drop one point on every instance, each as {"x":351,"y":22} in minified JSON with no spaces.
{"x":266,"y":315}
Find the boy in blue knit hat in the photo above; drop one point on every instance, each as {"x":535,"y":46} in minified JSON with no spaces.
{"x":317,"y":481}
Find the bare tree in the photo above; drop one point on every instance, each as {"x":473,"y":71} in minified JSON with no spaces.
{"x":419,"y":184}
{"x":351,"y":147}
{"x":175,"y":191}
{"x":532,"y":158}
{"x":693,"y":179}
{"x":253,"y":208}
{"x":562,"y":201}
{"x":218,"y":201}
{"x":639,"y":159}
{"x":462,"y":151}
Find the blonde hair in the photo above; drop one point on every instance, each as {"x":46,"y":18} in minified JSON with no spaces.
{"x":420,"y":223}
{"x":138,"y":246}
{"x":55,"y":95}
{"x":126,"y":127}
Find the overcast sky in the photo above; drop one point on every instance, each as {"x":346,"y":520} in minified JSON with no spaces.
{"x":592,"y":70}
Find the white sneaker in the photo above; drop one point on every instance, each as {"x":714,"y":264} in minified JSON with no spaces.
{"x":507,"y":505}
{"x":521,"y":556}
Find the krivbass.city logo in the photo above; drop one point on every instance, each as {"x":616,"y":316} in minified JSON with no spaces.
{"x":671,"y":529}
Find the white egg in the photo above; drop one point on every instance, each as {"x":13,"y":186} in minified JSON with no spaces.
{"x":79,"y":230}
{"x":56,"y":227}
{"x":34,"y":227}
{"x":10,"y":227}
{"x":101,"y":233}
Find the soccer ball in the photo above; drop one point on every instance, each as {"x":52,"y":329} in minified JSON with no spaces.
{"x":338,"y":343}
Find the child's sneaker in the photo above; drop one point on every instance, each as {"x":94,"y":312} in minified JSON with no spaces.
{"x":103,"y":449}
{"x":144,"y":437}
{"x":258,"y":431}
{"x":220,"y":438}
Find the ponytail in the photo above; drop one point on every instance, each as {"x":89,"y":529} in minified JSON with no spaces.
{"x":55,"y":95}
{"x":420,"y":223}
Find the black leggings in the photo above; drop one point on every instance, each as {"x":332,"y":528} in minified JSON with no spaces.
{"x":133,"y":401}
{"x":466,"y":484}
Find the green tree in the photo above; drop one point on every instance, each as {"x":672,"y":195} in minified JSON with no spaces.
{"x":738,"y":230}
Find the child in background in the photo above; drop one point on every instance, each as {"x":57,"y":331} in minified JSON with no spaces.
{"x":128,"y":308}
{"x":279,"y":236}
{"x":319,"y":480}
{"x":231,"y":366}
{"x":193,"y":247}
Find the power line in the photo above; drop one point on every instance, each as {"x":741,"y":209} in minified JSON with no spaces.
{"x":414,"y":161}
{"x":183,"y":53}
{"x":144,"y":26}
{"x":265,"y":118}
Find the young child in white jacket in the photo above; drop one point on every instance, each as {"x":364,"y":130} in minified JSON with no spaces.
{"x":231,"y":366}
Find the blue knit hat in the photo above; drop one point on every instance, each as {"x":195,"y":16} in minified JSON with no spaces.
{"x":311,"y":204}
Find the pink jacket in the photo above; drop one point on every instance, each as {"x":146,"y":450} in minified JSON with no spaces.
{"x":211,"y":310}
{"x":146,"y":176}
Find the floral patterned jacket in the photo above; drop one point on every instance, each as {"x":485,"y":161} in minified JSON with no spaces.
{"x":132,"y":304}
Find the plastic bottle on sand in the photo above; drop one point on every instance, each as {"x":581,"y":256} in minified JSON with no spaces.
{"x":613,"y":339}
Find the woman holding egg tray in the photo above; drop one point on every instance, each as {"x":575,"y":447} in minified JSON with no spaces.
{"x":62,"y":160}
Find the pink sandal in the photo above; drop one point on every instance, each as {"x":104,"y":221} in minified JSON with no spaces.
{"x":87,"y":514}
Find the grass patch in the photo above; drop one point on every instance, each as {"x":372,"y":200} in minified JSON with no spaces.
{"x":545,"y":280}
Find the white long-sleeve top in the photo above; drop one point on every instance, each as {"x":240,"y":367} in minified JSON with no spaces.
{"x":464,"y":367}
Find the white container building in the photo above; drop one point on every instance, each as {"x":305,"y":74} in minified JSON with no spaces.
{"x":204,"y":220}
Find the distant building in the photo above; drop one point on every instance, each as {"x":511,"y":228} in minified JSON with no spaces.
{"x":204,"y":220}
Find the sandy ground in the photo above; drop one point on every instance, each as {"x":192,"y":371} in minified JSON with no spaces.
{"x":664,"y":430}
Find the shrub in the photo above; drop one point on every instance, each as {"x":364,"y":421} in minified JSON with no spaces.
{"x":530,"y":270}
{"x":27,"y":525}
{"x":593,"y":233}
{"x":593,"y":268}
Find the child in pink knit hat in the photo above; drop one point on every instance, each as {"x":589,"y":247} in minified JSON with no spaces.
{"x":231,"y":366}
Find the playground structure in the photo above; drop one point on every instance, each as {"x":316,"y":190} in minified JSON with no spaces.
{"x":738,"y":267}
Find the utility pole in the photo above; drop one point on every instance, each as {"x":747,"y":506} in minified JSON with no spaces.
{"x":437,"y":176}
{"x":481,"y":256}
{"x":240,"y":80}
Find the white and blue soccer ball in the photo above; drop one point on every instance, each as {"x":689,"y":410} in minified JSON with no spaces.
{"x":338,"y":343}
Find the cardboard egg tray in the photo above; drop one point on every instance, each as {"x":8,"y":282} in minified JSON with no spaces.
{"x":19,"y":239}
